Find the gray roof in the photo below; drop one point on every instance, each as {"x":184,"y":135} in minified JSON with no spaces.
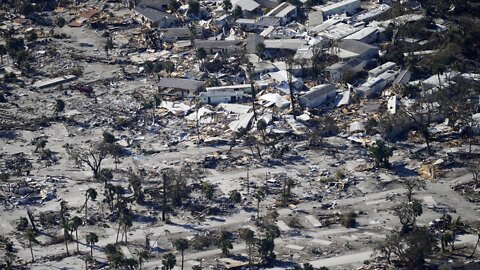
{"x":180,"y":32}
{"x":248,"y":5}
{"x":355,"y":46}
{"x":318,"y":91}
{"x":152,"y":12}
{"x":281,"y":10}
{"x":217,"y":44}
{"x":262,"y":22}
{"x":186,"y":84}
{"x":286,"y":44}
{"x":266,"y":21}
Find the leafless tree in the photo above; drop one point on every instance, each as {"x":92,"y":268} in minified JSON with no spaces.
{"x":91,"y":156}
{"x":422,"y":114}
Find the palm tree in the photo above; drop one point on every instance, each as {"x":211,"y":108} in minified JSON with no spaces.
{"x":225,"y":242}
{"x":122,"y":212}
{"x":181,"y":245}
{"x":130,"y":263}
{"x":114,"y":257}
{"x":476,"y":244}
{"x":164,"y":195}
{"x":66,"y":227}
{"x":290,"y":85}
{"x":262,"y":127}
{"x":197,"y":123}
{"x":108,"y":45}
{"x":438,"y":69}
{"x":143,"y":255}
{"x":227,"y":5}
{"x":91,"y":239}
{"x":289,"y":183}
{"x":249,"y":237}
{"x":251,"y":73}
{"x":30,"y":235}
{"x":168,"y":261}
{"x":260,"y":195}
{"x":201,"y":54}
{"x":127,"y":221}
{"x":75,"y":222}
{"x":59,"y":106}
{"x":3,"y":51}
{"x":91,"y":193}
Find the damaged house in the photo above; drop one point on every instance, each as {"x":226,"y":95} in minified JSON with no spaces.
{"x":180,"y":87}
{"x":224,"y":94}
{"x":348,"y":7}
{"x":285,"y":12}
{"x":336,"y":72}
{"x":153,"y":14}
{"x":349,"y":48}
{"x":214,"y":46}
{"x":318,"y":95}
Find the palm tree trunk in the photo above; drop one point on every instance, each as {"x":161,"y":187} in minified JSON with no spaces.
{"x":182,"y":259}
{"x":31,"y":249}
{"x":258,"y":208}
{"x":91,"y":249}
{"x":118,"y":232}
{"x":164,"y":205}
{"x":126,"y":241}
{"x":442,"y":242}
{"x":86,"y":206}
{"x":76,"y":236}
{"x":249,"y":256}
{"x":66,"y":242}
{"x":476,"y":245}
{"x":453,"y":241}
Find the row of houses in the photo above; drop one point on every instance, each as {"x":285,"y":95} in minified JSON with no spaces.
{"x":353,"y":44}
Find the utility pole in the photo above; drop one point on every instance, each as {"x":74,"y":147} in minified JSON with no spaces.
{"x":164,"y":205}
{"x":248,"y":181}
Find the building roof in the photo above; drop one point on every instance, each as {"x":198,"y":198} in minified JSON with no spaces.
{"x":326,"y":24}
{"x":248,"y":5}
{"x":236,"y":87}
{"x":266,"y":21}
{"x":319,"y":91}
{"x":186,"y":84}
{"x":179,"y":32}
{"x":153,"y":14}
{"x":355,"y":46}
{"x":287,"y":44}
{"x":382,"y":68}
{"x":245,"y":21}
{"x":338,"y":5}
{"x":444,"y":78}
{"x":281,"y":10}
{"x":403,"y":77}
{"x":339,"y":31}
{"x":212,"y":44}
{"x":365,"y":32}
{"x":89,"y":13}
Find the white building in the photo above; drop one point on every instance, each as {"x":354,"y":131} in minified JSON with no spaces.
{"x":349,"y":7}
{"x":367,"y":35}
{"x":318,"y":95}
{"x":371,"y":87}
{"x":223,"y":94}
{"x":381,"y":69}
{"x":285,"y":12}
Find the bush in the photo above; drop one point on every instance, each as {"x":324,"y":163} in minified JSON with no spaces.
{"x":22,"y":224}
{"x":108,"y":137}
{"x":349,"y":220}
